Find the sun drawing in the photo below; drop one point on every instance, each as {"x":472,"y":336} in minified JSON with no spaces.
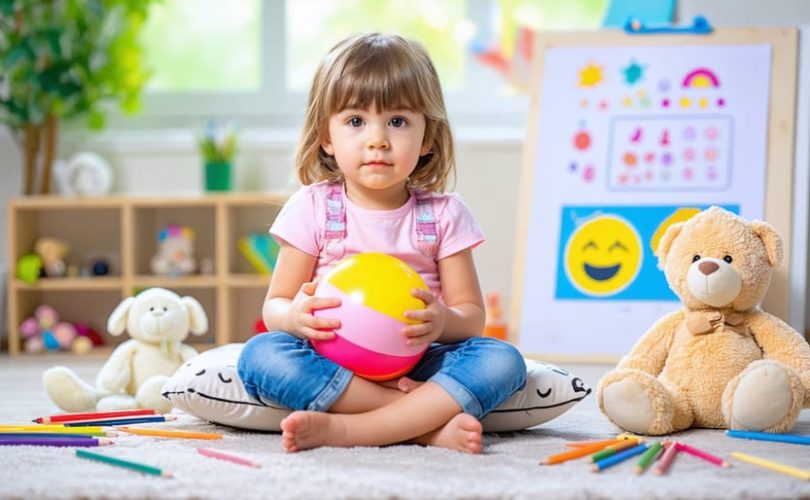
{"x":590,"y":75}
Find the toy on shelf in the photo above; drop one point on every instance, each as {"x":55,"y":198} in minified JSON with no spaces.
{"x":52,"y":251}
{"x":157,"y":320}
{"x":29,"y":268}
{"x":175,"y":255}
{"x":44,"y":331}
{"x":261,"y":250}
{"x":85,"y":174}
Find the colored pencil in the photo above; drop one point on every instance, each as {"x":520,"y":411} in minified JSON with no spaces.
{"x":38,"y":435}
{"x":618,"y":458}
{"x":127,"y":464}
{"x":764,"y":436}
{"x":65,"y":431}
{"x":649,"y":456}
{"x":94,"y":415}
{"x":606,"y":442}
{"x":124,"y":421}
{"x":774,"y":466}
{"x":696,"y":452}
{"x":572,"y":454}
{"x":54,"y":442}
{"x":208,"y":452}
{"x":613,"y":449}
{"x":667,"y":457}
{"x":168,"y":433}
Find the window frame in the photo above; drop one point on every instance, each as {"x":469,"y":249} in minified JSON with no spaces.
{"x":274,"y":106}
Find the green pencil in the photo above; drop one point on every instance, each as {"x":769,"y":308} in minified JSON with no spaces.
{"x":148,"y":469}
{"x":649,"y":456}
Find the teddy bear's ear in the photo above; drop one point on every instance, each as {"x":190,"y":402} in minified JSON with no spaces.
{"x":773,"y":242}
{"x":117,"y":322}
{"x":197,"y":319}
{"x":666,"y":243}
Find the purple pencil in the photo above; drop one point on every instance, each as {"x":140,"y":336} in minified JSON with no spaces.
{"x":83,"y":442}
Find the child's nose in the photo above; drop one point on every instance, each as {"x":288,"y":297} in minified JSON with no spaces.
{"x":377,"y":138}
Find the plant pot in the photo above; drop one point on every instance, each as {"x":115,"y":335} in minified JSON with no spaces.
{"x":218,"y":176}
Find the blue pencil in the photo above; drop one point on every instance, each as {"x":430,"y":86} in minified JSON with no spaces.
{"x":119,"y":421}
{"x":618,"y":457}
{"x":764,"y":436}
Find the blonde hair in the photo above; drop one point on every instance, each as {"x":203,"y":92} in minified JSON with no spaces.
{"x":387,"y":72}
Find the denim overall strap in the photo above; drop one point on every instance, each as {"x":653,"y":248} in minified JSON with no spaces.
{"x":427,"y":227}
{"x":335,"y":230}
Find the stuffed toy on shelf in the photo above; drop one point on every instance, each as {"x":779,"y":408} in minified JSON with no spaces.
{"x":720,"y":361}
{"x":157,"y":320}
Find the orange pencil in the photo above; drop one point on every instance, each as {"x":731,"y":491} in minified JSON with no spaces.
{"x":575,"y":453}
{"x":606,"y":442}
{"x":168,"y":433}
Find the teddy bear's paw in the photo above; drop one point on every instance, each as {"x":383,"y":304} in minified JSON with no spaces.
{"x":629,"y":406}
{"x":767,"y":396}
{"x":115,"y":402}
{"x":68,"y":391}
{"x":150,"y":394}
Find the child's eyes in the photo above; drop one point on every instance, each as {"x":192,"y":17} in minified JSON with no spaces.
{"x":397,"y":122}
{"x":355,"y":121}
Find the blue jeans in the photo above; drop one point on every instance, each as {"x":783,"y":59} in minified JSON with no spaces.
{"x":479,"y":373}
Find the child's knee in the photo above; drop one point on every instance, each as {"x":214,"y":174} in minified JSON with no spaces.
{"x":509,"y":365}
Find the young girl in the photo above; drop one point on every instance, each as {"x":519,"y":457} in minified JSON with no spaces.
{"x":376,"y":153}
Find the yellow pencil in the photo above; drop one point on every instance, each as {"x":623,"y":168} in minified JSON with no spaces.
{"x":62,"y":430}
{"x":774,"y":466}
{"x":168,"y":433}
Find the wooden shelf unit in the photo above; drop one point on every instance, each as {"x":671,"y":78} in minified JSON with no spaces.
{"x":124,"y":229}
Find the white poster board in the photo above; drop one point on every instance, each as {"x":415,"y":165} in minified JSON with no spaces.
{"x":629,"y":134}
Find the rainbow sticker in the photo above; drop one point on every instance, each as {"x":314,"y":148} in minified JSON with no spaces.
{"x":700,"y":78}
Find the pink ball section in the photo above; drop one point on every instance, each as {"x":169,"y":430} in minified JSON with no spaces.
{"x":368,"y":343}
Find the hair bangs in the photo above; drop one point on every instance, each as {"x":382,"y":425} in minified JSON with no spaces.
{"x":383,"y":79}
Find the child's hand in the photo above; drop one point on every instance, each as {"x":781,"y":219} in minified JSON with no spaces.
{"x":303,"y":322}
{"x":433,"y":317}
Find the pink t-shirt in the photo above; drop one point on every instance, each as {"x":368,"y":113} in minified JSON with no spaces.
{"x":302,"y":222}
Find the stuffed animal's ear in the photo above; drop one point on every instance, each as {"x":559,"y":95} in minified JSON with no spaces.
{"x":666,"y":243}
{"x":773,"y":242}
{"x":117,"y":322}
{"x":197,"y":320}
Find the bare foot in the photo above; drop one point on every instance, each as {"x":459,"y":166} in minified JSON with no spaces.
{"x":461,"y":433}
{"x":302,"y":430}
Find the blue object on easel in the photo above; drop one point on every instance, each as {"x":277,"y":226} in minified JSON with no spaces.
{"x":700,"y":26}
{"x":651,"y":11}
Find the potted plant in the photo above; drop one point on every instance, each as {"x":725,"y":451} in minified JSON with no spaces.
{"x":61,"y":60}
{"x":218,"y":148}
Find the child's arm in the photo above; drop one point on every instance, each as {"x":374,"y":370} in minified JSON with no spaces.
{"x":462,"y":314}
{"x":289,"y":303}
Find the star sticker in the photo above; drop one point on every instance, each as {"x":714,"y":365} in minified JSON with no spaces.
{"x":590,"y":75}
{"x":633,"y":73}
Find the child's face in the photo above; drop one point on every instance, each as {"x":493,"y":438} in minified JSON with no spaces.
{"x":376,"y":150}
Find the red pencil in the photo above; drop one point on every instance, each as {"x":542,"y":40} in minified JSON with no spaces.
{"x":95,"y":415}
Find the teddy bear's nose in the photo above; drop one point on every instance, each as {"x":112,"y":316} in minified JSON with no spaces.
{"x":708,"y":267}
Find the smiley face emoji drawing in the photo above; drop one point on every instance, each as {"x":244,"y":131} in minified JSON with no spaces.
{"x":603,"y":255}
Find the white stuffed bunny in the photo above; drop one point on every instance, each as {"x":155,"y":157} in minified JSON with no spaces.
{"x":157,"y":320}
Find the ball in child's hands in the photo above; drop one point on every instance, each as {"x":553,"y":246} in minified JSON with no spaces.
{"x":375,"y":291}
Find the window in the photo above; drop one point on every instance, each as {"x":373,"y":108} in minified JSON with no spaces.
{"x":254,"y":59}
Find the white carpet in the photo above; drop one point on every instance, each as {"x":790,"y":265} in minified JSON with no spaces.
{"x":508,"y":468}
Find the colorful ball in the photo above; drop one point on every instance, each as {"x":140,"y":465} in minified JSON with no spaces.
{"x":375,"y":291}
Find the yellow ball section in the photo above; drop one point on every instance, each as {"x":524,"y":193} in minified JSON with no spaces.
{"x":380,"y":282}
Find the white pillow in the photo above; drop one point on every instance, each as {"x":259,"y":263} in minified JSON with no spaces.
{"x":209,"y":387}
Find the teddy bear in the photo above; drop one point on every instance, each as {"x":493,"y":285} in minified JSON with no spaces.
{"x":157,"y":320}
{"x":719,"y":361}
